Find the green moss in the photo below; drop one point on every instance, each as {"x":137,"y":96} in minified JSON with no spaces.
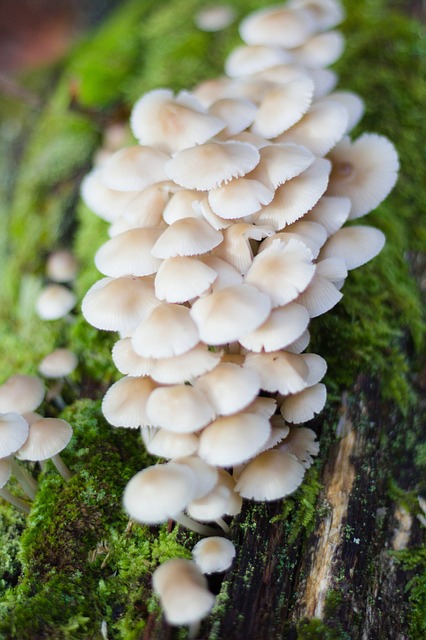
{"x":81,"y":562}
{"x":406,"y":499}
{"x":300,"y":509}
{"x":101,"y":569}
{"x":414,"y":560}
{"x":381,"y":310}
{"x":318,"y":630}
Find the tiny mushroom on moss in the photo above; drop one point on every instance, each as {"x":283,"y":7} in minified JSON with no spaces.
{"x":213,"y":554}
{"x":21,"y":393}
{"x":61,"y":266}
{"x":58,"y":364}
{"x":183,"y":592}
{"x":47,"y":438}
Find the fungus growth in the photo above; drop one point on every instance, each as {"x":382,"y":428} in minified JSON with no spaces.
{"x":226,"y":240}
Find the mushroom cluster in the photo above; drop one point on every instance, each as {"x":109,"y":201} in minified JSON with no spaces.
{"x":226,"y":238}
{"x":26,"y":435}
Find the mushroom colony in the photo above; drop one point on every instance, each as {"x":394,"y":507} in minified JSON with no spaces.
{"x":226,"y":238}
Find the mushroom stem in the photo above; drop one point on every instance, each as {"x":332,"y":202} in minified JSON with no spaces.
{"x":193,"y":525}
{"x":25,"y":479}
{"x":193,"y":630}
{"x":17,"y":502}
{"x":222,"y":524}
{"x":61,"y":467}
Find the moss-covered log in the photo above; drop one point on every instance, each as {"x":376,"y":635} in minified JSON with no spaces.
{"x":342,"y":557}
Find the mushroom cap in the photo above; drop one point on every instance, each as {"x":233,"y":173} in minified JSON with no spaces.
{"x":279,"y":371}
{"x":364,"y":171}
{"x":229,"y":387}
{"x":355,"y":245}
{"x":54,"y":302}
{"x":282,"y":271}
{"x":14,"y":432}
{"x":282,"y":107}
{"x":169,"y":123}
{"x":296,"y":197}
{"x":160,"y":492}
{"x":301,"y":442}
{"x":247,"y":60}
{"x":21,"y":393}
{"x":262,"y":406}
{"x":128,"y":361}
{"x":206,"y":474}
{"x":284,"y":326}
{"x":281,"y":162}
{"x":325,"y":13}
{"x":168,"y":331}
{"x":47,"y":437}
{"x":320,"y":128}
{"x":215,"y":17}
{"x":320,"y":296}
{"x":238,"y":113}
{"x":119,"y":304}
{"x":331,"y":212}
{"x":145,"y":209}
{"x":179,"y":408}
{"x":322,"y":50}
{"x":226,"y":314}
{"x":277,"y":26}
{"x":167,"y":444}
{"x":227,"y":275}
{"x":129,"y":253}
{"x":186,"y":367}
{"x":221,"y":500}
{"x":106,"y":203}
{"x":317,"y":367}
{"x":271,"y":475}
{"x":183,"y":592}
{"x":124,"y":404}
{"x":61,"y":266}
{"x":353,"y":104}
{"x":182,"y":278}
{"x":182,"y":205}
{"x":239,"y":197}
{"x":211,"y":164}
{"x":134,"y":168}
{"x":300,"y":344}
{"x":214,"y":554}
{"x":233,"y":439}
{"x":312,"y":234}
{"x":186,"y":237}
{"x":303,"y":406}
{"x":58,"y":364}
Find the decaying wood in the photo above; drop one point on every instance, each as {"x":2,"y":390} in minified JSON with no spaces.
{"x":274,"y":585}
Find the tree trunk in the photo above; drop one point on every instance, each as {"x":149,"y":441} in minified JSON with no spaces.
{"x":341,"y":558}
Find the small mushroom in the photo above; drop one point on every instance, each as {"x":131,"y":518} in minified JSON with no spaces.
{"x":47,"y":437}
{"x":55,"y":301}
{"x":21,"y":393}
{"x":213,"y":554}
{"x":61,"y":266}
{"x":183,"y":593}
{"x":158,"y":493}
